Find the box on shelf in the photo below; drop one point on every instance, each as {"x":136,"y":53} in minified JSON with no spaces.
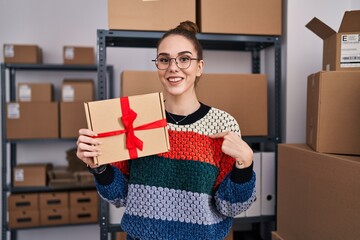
{"x":25,"y":201}
{"x":24,"y":219}
{"x":240,"y":17}
{"x":83,"y":198}
{"x":318,"y":194}
{"x":49,"y":200}
{"x":32,"y":120}
{"x":333,"y":112}
{"x":75,"y":55}
{"x":35,"y":92}
{"x":31,"y":174}
{"x":105,"y":118}
{"x":54,"y":216}
{"x":77,"y":90}
{"x":61,"y":177}
{"x":149,"y":15}
{"x":72,"y":118}
{"x":88,"y":214}
{"x":17,"y":53}
{"x":244,"y":96}
{"x":341,"y":50}
{"x":276,"y":236}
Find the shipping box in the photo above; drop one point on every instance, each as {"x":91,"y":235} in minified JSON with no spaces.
{"x":74,"y":55}
{"x":88,"y":214}
{"x":35,"y":92}
{"x":240,"y":17}
{"x":333,"y":112}
{"x":276,"y":236}
{"x":72,"y":118}
{"x":77,"y":90}
{"x":160,"y":15}
{"x":318,"y":194}
{"x":83,"y":198}
{"x":50,"y":200}
{"x":341,"y":50}
{"x":24,"y":219}
{"x":54,"y":216}
{"x":244,"y":96}
{"x":32,"y":120}
{"x":107,"y":118}
{"x":31,"y":175}
{"x":25,"y":201}
{"x":16,"y":53}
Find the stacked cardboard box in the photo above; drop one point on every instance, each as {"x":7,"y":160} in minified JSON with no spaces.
{"x":78,"y":55}
{"x":72,"y":115}
{"x":17,"y":53}
{"x":318,"y":181}
{"x":84,"y":207}
{"x":54,"y":208}
{"x":23,"y":210}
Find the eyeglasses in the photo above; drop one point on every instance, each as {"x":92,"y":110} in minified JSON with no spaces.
{"x":182,"y":62}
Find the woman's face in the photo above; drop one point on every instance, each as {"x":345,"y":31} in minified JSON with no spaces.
{"x":177,"y":81}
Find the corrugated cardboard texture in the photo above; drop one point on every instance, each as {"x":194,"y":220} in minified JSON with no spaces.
{"x":15,"y":53}
{"x":242,"y":95}
{"x":35,"y":92}
{"x":240,"y":17}
{"x":318,"y":194}
{"x":333,"y":112}
{"x":105,"y":116}
{"x":33,"y":120}
{"x":160,"y":15}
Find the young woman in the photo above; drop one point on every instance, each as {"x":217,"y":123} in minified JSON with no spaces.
{"x":194,"y":190}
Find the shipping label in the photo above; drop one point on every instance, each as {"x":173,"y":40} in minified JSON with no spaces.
{"x":350,"y":50}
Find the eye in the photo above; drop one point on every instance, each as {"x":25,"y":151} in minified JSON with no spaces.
{"x":183,"y":59}
{"x":164,"y":60}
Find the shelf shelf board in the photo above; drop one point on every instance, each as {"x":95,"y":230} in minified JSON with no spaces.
{"x":50,"y":67}
{"x":49,"y":189}
{"x":52,"y":226}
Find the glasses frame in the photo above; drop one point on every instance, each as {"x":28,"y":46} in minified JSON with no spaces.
{"x":156,"y":62}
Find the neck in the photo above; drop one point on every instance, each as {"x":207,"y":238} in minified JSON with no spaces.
{"x":181,"y":106}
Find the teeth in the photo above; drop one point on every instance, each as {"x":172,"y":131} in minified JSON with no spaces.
{"x":174,"y":79}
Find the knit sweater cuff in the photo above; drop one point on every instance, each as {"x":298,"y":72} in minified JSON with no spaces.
{"x":242,"y":175}
{"x":106,"y":177}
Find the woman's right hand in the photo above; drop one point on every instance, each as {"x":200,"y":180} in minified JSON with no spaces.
{"x":88,"y":147}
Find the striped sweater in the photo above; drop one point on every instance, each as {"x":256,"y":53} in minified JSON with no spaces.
{"x":191,"y":192}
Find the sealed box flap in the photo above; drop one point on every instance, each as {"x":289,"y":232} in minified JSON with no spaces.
{"x":320,"y":28}
{"x":350,"y":22}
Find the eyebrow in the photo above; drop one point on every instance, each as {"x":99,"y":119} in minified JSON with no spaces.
{"x":179,"y":53}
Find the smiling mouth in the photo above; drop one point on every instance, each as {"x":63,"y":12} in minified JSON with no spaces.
{"x":174,"y":79}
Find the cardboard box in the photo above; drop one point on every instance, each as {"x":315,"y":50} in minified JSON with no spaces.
{"x":31,"y":175}
{"x":341,"y":50}
{"x":83,"y":198}
{"x":240,"y":17}
{"x":16,"y":53}
{"x":244,"y":96}
{"x":25,"y":201}
{"x":24,"y":219}
{"x":276,"y":236}
{"x":72,"y":118}
{"x":54,"y":216}
{"x":75,"y":55}
{"x":84,"y":214}
{"x":105,"y":116}
{"x":50,"y":200}
{"x":333,"y":112}
{"x":35,"y":92}
{"x":121,"y":236}
{"x":61,"y":177}
{"x":32,"y":120}
{"x":318,"y":194}
{"x":77,"y":90}
{"x":160,"y":15}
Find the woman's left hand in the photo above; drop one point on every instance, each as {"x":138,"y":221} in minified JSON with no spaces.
{"x":235,"y":147}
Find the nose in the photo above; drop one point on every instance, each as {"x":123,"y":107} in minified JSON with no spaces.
{"x":171,"y":66}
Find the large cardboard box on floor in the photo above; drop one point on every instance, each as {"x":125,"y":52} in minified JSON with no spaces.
{"x":17,"y":53}
{"x":341,"y":50}
{"x":160,"y":15}
{"x":244,"y":96}
{"x":333,"y":112}
{"x":240,"y":17}
{"x":32,"y":120}
{"x":77,"y":55}
{"x":35,"y":92}
{"x":117,"y":120}
{"x":318,"y":194}
{"x":31,"y":174}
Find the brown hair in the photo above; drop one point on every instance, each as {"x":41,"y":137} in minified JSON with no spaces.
{"x":188,"y":30}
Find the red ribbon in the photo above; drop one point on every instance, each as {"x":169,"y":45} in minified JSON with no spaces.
{"x":128,"y":117}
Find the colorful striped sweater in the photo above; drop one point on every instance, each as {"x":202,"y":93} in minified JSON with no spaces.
{"x":191,"y":192}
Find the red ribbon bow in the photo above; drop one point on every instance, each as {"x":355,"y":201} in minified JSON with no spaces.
{"x":128,"y":117}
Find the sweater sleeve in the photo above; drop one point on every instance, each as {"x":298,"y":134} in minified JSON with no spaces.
{"x":112,"y":186}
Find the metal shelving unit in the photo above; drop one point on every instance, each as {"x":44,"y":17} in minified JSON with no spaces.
{"x":147,"y":39}
{"x":8,"y":76}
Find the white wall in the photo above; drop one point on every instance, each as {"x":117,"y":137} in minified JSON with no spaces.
{"x":52,"y":24}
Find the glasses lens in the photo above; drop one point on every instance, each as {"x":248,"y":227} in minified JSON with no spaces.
{"x":183,"y":61}
{"x":162,"y":62}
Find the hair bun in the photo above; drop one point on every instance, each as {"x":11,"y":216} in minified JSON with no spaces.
{"x":188,"y":26}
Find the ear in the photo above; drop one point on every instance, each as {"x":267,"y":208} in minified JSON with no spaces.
{"x":200,"y":68}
